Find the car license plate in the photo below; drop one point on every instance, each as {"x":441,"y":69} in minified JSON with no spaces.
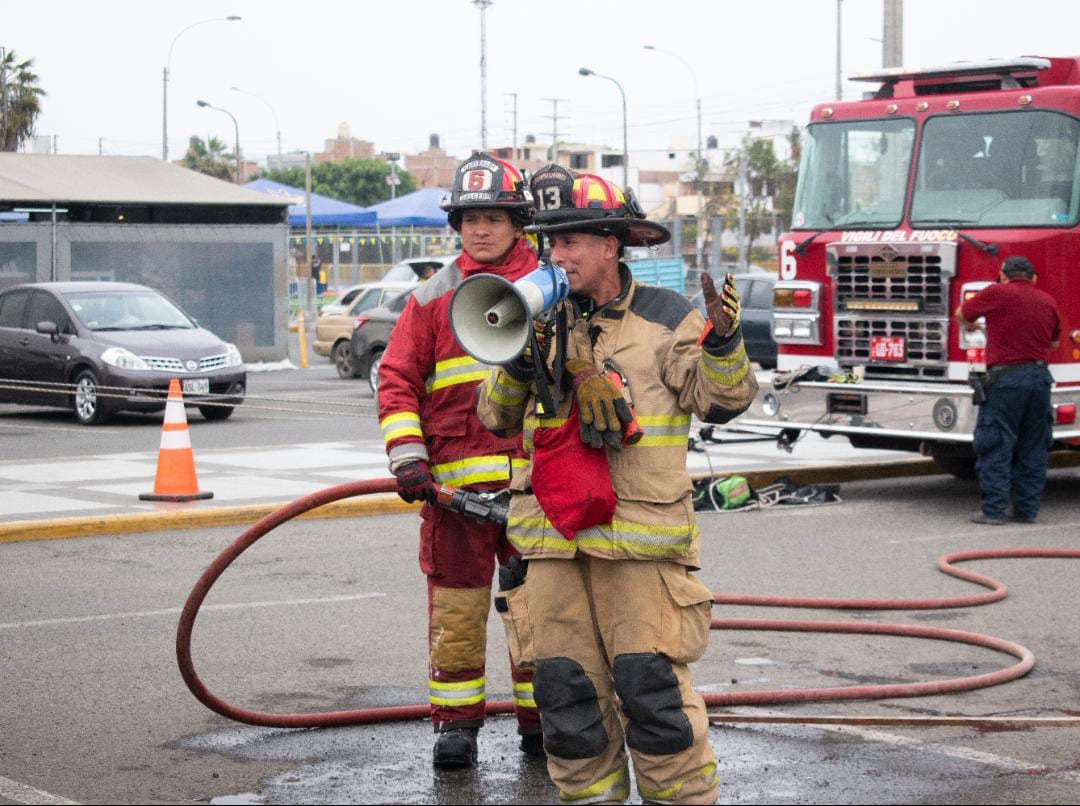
{"x":195,"y":386}
{"x":887,"y":348}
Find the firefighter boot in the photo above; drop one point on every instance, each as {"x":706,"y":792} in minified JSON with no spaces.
{"x":455,"y":749}
{"x":532,"y":745}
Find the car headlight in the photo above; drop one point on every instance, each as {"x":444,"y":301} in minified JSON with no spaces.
{"x":232,"y":356}
{"x":123,"y":359}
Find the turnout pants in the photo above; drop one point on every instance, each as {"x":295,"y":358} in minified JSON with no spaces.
{"x":458,"y":556}
{"x":1012,"y":436}
{"x":611,"y":640}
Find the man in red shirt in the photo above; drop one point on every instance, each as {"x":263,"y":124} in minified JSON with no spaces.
{"x":1013,"y":430}
{"x":427,"y":412}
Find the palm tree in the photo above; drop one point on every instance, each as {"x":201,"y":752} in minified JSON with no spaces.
{"x":20,"y":100}
{"x":209,"y":157}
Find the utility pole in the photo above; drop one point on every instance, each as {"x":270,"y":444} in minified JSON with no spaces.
{"x":483,"y":6}
{"x":3,"y":94}
{"x":892,"y":40}
{"x":554,"y":124}
{"x":307,"y":233}
{"x":741,"y":259}
{"x":839,"y":50}
{"x":100,"y":146}
{"x":513,"y":141}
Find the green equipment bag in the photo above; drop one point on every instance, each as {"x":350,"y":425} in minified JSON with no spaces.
{"x":730,"y":492}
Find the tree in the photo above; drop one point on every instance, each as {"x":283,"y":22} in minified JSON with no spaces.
{"x":20,"y":100}
{"x":210,"y":158}
{"x":770,"y":187}
{"x":357,"y":181}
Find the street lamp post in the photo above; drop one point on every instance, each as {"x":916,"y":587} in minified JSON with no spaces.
{"x":277,"y":126}
{"x":585,"y":71}
{"x":236,"y":129}
{"x":165,"y":81}
{"x":393,"y":180}
{"x":698,"y":164}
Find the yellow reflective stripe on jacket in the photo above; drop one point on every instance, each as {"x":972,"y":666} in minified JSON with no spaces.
{"x":532,"y":423}
{"x":547,"y":422}
{"x":465,"y":692}
{"x":529,"y":533}
{"x":726,"y":370}
{"x":670,"y":793}
{"x":652,"y":540}
{"x":663,"y":431}
{"x":506,"y":391}
{"x":612,"y":788}
{"x":473,"y":470}
{"x":523,"y":695}
{"x":518,"y":464}
{"x":618,"y":537}
{"x":452,"y":371}
{"x":402,"y":424}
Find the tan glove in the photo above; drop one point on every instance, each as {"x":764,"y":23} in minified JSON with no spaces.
{"x":723,"y":308}
{"x":602,"y":410}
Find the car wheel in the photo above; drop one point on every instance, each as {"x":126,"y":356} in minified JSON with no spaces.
{"x":213,"y":413}
{"x":342,"y":357}
{"x":373,"y":372}
{"x":87,"y":403}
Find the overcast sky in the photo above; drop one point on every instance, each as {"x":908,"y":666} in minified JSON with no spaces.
{"x":398,"y":71}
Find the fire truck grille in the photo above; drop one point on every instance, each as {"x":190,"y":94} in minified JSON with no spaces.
{"x":925,"y":346}
{"x":894,"y":277}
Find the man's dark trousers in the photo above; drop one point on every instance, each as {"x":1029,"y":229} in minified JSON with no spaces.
{"x":1012,"y":437}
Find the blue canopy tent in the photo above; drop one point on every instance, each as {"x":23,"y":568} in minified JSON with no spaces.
{"x":325,"y":212}
{"x":417,"y":209}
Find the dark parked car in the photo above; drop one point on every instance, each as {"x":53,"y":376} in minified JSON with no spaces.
{"x":371,"y":332}
{"x":755,"y":300}
{"x":65,"y":343}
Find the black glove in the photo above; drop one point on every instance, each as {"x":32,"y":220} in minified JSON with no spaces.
{"x":513,"y":573}
{"x":723,"y":308}
{"x":522,"y":368}
{"x":414,"y":482}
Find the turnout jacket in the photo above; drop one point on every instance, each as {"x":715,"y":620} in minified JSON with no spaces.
{"x":427,"y":385}
{"x":652,"y":336}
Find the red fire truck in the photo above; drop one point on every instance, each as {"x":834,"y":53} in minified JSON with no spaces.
{"x":907,"y":203}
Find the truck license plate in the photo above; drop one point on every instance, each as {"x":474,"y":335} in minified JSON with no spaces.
{"x":195,"y":386}
{"x":887,"y":348}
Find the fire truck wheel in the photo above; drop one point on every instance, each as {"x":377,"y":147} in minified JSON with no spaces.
{"x":960,"y":464}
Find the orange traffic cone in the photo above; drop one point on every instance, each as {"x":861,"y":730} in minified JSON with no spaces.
{"x":175,"y":479}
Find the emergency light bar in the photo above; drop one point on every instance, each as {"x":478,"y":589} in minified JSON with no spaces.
{"x":990,"y":66}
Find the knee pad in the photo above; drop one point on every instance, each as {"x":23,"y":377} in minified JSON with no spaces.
{"x":569,"y":712}
{"x":649,"y":690}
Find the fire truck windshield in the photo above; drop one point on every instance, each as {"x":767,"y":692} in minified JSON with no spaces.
{"x":998,"y":169}
{"x":854,"y":174}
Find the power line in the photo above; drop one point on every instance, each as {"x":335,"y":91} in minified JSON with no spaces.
{"x":554,"y":116}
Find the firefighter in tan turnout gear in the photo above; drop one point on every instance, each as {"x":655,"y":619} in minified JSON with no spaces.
{"x":605,"y":606}
{"x":427,"y":412}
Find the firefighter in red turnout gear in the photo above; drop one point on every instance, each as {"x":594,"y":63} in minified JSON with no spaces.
{"x":427,"y":413}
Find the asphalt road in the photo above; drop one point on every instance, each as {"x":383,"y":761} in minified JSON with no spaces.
{"x":328,"y":615}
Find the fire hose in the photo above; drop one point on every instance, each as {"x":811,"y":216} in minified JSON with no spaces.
{"x":486,"y":506}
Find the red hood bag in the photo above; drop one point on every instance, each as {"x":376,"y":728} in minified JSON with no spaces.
{"x":571,"y":480}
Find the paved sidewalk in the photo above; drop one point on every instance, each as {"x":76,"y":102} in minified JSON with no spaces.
{"x":108,"y":484}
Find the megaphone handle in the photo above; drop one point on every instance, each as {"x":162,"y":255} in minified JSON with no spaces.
{"x":550,"y":394}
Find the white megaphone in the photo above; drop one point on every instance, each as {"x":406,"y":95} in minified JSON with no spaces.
{"x":492,"y":317}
